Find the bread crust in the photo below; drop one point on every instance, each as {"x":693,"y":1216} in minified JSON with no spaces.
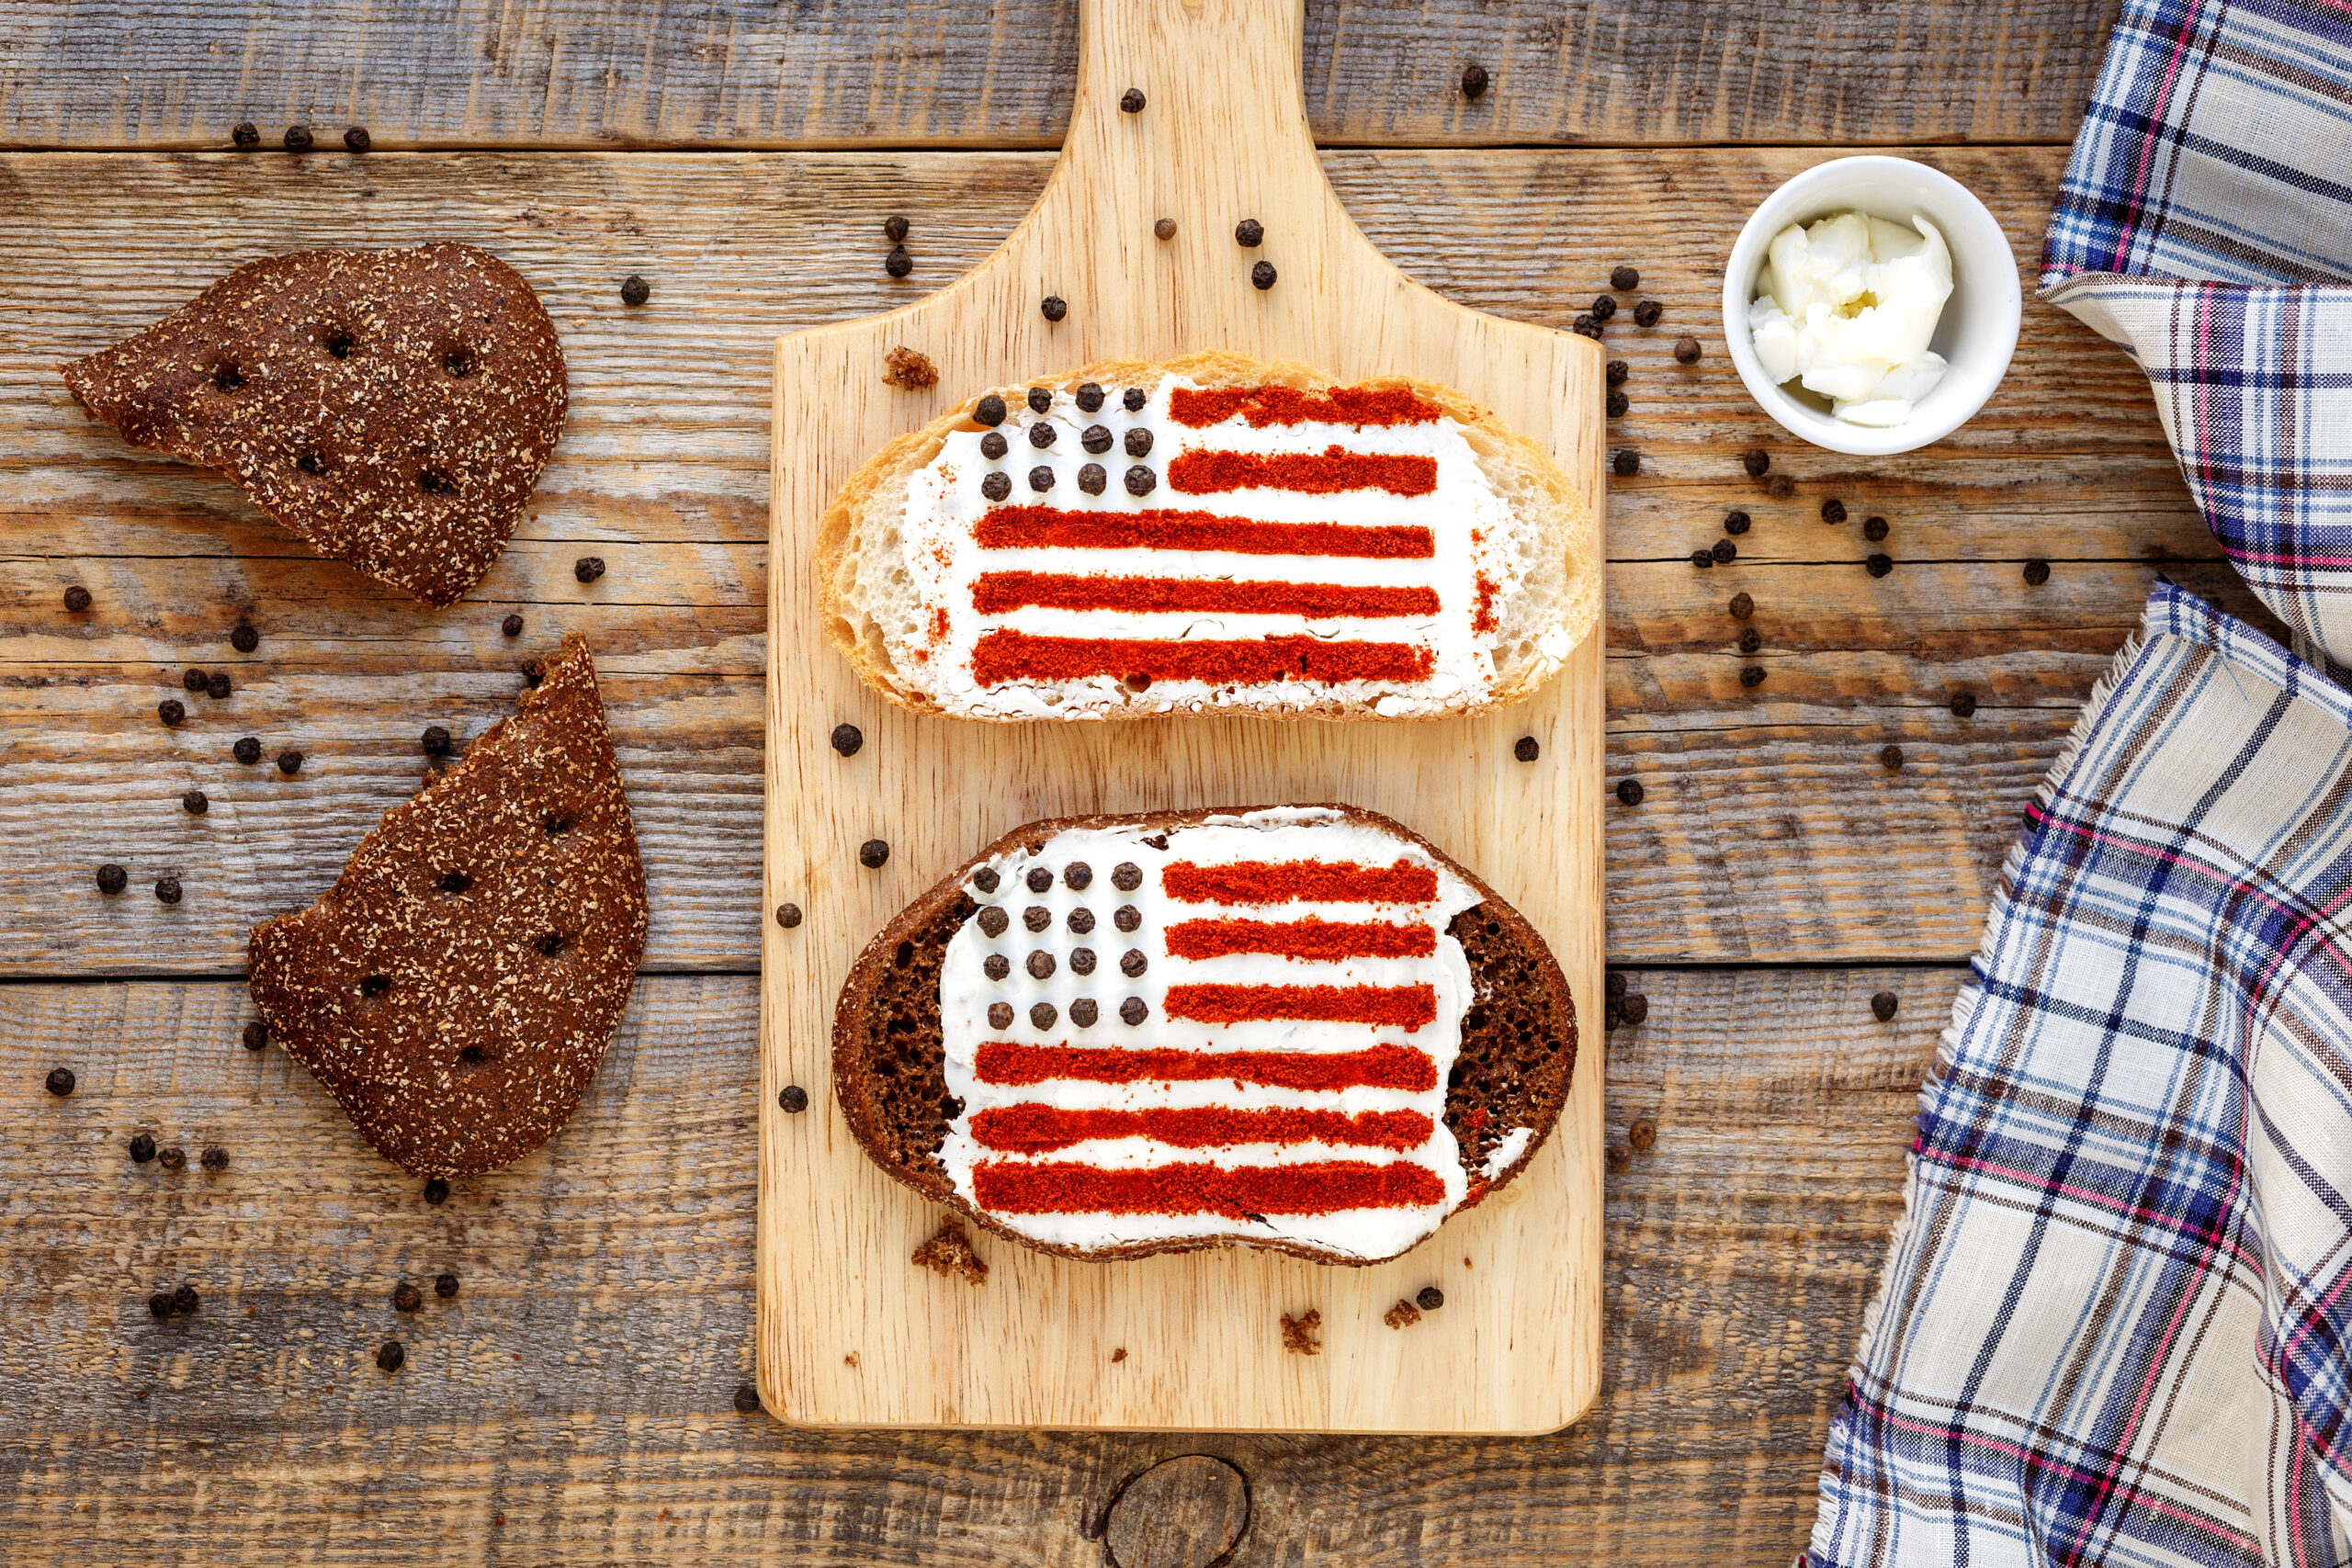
{"x":1568,"y":522}
{"x":854,"y":1079}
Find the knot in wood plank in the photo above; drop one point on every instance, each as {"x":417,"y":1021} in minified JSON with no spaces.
{"x":1192,"y":1511}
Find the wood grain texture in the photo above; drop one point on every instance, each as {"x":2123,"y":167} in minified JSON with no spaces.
{"x":571,"y":1403}
{"x":841,"y":1339}
{"x":1769,"y":831}
{"x":597,"y":73}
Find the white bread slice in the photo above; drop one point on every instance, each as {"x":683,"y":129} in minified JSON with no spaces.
{"x":879,"y":609}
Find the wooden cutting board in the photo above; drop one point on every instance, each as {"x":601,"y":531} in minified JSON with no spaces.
{"x":849,"y":1330}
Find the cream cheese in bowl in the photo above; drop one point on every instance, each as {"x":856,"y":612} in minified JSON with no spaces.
{"x":1847,"y":306}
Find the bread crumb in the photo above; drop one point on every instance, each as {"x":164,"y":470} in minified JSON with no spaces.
{"x":905,"y":367}
{"x":1404,"y":1314}
{"x":951,"y":1252}
{"x":1304,"y":1336}
{"x":850,"y":1359}
{"x":1120,"y":1354}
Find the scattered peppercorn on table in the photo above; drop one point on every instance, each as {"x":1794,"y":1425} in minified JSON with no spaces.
{"x":1832,"y":683}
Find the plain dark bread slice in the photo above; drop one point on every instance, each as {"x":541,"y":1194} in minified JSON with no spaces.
{"x":456,"y":1033}
{"x":409,"y":453}
{"x":1516,"y":1061}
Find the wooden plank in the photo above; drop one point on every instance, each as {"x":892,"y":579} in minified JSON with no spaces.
{"x":572,"y":1402}
{"x":662,"y":472}
{"x":841,"y":1341}
{"x":593,"y":74}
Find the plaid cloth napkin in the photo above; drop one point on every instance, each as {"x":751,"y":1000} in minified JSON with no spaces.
{"x":2116,"y":1323}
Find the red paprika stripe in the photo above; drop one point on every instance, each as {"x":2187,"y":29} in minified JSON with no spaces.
{"x":1405,"y":1007}
{"x":1001,"y":656}
{"x":1380,"y":1067}
{"x":1325,"y":473}
{"x":1320,"y":1187}
{"x":1200,"y":407}
{"x":1165,"y":528}
{"x":1299,"y":881}
{"x":1312,"y":941}
{"x":1034,"y":1129}
{"x":995,"y":593}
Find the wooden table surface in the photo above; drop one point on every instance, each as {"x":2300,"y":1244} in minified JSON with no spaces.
{"x":576,"y":1400}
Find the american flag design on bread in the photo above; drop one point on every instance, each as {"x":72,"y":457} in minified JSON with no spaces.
{"x":1210,"y":534}
{"x":1299,"y":1028}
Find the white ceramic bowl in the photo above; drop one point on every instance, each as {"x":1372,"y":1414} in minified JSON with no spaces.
{"x":1977,"y":332}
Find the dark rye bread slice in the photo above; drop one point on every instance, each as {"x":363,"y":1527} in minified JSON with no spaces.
{"x":394,"y":407}
{"x":1516,"y":1059}
{"x":458,"y":984}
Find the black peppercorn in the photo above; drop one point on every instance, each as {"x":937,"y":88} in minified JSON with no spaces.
{"x":1735,"y":522}
{"x":289,"y":762}
{"x":1165,"y":229}
{"x":245,"y":136}
{"x":1131,"y":101}
{"x":406,"y":1297}
{"x":1474,"y":80}
{"x":391,"y":1357}
{"x":1527,"y":748}
{"x":588,"y":569}
{"x":1055,"y":307}
{"x":1882,"y":1006}
{"x":994,"y":921}
{"x":635,"y":290}
{"x":1742,"y":606}
{"x":1626,"y":463}
{"x":171,"y":711}
{"x":1041,"y":478}
{"x":1618,"y":405}
{"x":1089,"y":398}
{"x":217,"y":685}
{"x":1132,"y":1011}
{"x":244,"y":639}
{"x":1249,"y":233}
{"x":1040,"y":965}
{"x":436,"y":1191}
{"x":994,"y":445}
{"x":142,"y":1148}
{"x":1963,"y":703}
{"x":1624,"y":279}
{"x":172,"y":1158}
{"x":167,"y":889}
{"x":1431,"y":1298}
{"x":256,"y":1036}
{"x":1618,"y":371}
{"x":1873,"y":529}
{"x":873,"y":854}
{"x":1630,"y":791}
{"x":435,"y":741}
{"x":184,"y":1301}
{"x":1132,"y":962}
{"x":246,"y":750}
{"x":1725,"y":552}
{"x":1038,"y":879}
{"x":746,"y":1400}
{"x":1703,"y":557}
{"x":1686,"y":349}
{"x":1141,"y":480}
{"x":1078,"y":876}
{"x":1000,"y":1015}
{"x":1879,"y":564}
{"x":1262,"y":276}
{"x":1094,"y":479}
{"x":847,"y":739}
{"x":986,"y":879}
{"x":1756,"y":460}
{"x":894,"y":228}
{"x":1833,"y":511}
{"x":1096,"y":438}
{"x":298,"y":139}
{"x":1780,"y":487}
{"x":215,"y":1157}
{"x":1584,"y":326}
{"x":1750,"y":640}
{"x":1753,"y":675}
{"x":194,"y":803}
{"x":1132,"y":400}
{"x":1614,"y":985}
{"x":1891,"y":758}
{"x":1126,"y":876}
{"x":112,"y":879}
{"x":1603,"y":307}
{"x":1636,"y":1008}
{"x":1040,"y":401}
{"x":1044,"y":1015}
{"x":996,"y":487}
{"x":898,"y":264}
{"x":990,"y":410}
{"x":355,"y":138}
{"x":77,"y":598}
{"x":2037,"y":572}
{"x":1646,"y":314}
{"x":1620,"y":1155}
{"x":60,"y":1081}
{"x":192,"y":682}
{"x":1127,"y":918}
{"x":445,"y":1285}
